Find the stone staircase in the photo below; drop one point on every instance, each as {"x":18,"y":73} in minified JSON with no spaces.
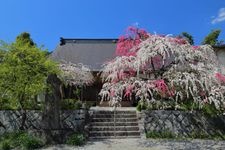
{"x":103,"y":126}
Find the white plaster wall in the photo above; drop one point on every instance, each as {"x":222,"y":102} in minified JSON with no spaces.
{"x":221,"y":58}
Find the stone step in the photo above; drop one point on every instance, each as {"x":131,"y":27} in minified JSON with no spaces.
{"x":112,"y":124}
{"x":116,"y":116}
{"x":117,"y":128}
{"x":112,"y":112}
{"x":116,"y":120}
{"x":113,"y":133}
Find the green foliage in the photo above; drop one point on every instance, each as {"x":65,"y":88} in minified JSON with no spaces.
{"x":160,"y":134}
{"x":5,"y":145}
{"x":7,"y":104}
{"x":77,"y":92}
{"x":76,"y":139}
{"x":23,"y":71}
{"x":2,"y":53}
{"x":89,"y":104}
{"x":141,"y":106}
{"x":157,"y":105}
{"x":212,"y":37}
{"x":199,"y":135}
{"x":24,"y":38}
{"x":207,"y":109}
{"x":78,"y":105}
{"x":210,"y":110}
{"x":29,"y":142}
{"x":188,"y":37}
{"x":202,"y":135}
{"x":71,"y":104}
{"x":163,"y":104}
{"x":20,"y":140}
{"x":188,"y":105}
{"x":166,"y":134}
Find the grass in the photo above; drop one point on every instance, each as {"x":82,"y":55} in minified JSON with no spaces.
{"x":166,"y":134}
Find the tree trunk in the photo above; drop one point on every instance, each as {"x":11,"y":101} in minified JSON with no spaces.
{"x":23,"y":121}
{"x":23,"y":112}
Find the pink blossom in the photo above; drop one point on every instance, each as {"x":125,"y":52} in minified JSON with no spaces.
{"x":112,"y":92}
{"x":157,"y":61}
{"x":161,"y":86}
{"x":131,"y":40}
{"x":178,"y":40}
{"x":220,"y":77}
{"x":202,"y":93}
{"x":195,"y":47}
{"x":205,"y":100}
{"x":128,"y":91}
{"x":171,"y":92}
{"x":185,"y":70}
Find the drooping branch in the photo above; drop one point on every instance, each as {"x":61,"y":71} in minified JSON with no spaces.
{"x":176,"y":70}
{"x":75,"y":74}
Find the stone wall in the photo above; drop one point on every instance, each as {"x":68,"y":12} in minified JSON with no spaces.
{"x":11,"y":120}
{"x":182,"y":124}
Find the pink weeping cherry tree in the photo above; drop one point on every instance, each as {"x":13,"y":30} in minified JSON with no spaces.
{"x":162,"y":71}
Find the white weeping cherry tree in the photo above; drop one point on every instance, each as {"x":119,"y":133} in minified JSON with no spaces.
{"x":75,"y":74}
{"x":166,"y":70}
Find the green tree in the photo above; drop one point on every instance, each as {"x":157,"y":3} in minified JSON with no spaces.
{"x":2,"y":50}
{"x":212,"y":37}
{"x":1,"y":55}
{"x":25,"y":38}
{"x":188,"y":37}
{"x":23,"y":71}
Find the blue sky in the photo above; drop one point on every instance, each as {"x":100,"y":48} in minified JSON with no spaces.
{"x":47,"y":20}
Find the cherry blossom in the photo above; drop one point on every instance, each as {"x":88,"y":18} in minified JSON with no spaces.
{"x":157,"y":68}
{"x":76,"y":74}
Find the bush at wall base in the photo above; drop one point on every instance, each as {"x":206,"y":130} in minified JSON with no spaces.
{"x":76,"y":139}
{"x":20,"y":140}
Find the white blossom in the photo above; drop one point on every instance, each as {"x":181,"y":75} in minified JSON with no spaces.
{"x":76,"y":74}
{"x":188,"y":73}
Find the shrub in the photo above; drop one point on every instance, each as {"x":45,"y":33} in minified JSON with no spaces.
{"x":141,"y":106}
{"x":29,"y":142}
{"x":78,"y":105}
{"x":19,"y":140}
{"x":76,"y":139}
{"x":71,"y":104}
{"x":210,"y":110}
{"x":5,"y":145}
{"x":89,"y":104}
{"x":199,"y":135}
{"x":202,"y":135}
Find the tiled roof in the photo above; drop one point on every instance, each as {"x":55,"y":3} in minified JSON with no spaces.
{"x":90,"y":52}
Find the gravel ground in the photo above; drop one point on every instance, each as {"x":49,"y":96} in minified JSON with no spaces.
{"x":149,"y":144}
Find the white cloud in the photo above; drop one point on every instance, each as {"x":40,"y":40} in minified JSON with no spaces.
{"x":220,"y":17}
